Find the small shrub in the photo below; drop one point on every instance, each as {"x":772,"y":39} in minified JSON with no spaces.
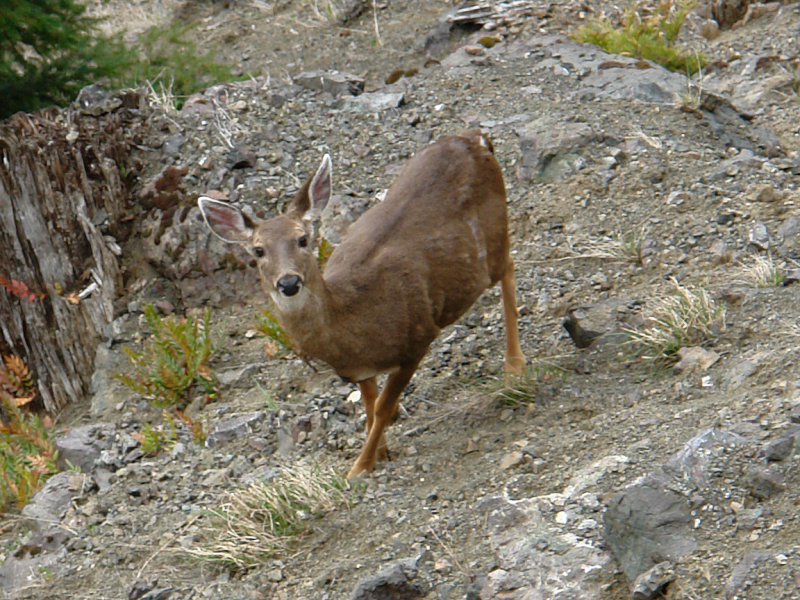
{"x":263,"y":520}
{"x":154,"y":440}
{"x":646,"y":36}
{"x":174,"y":360}
{"x":686,"y":318}
{"x":27,"y":454}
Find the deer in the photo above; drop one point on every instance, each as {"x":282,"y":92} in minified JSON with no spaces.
{"x":406,"y":268}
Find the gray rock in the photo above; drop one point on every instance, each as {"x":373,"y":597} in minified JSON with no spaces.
{"x":788,"y":234}
{"x":333,"y":82}
{"x":792,"y":276}
{"x":42,"y":555}
{"x":50,"y":503}
{"x":392,"y":582}
{"x":230,"y":377}
{"x":743,"y":369}
{"x":778,"y":450}
{"x":692,"y":463}
{"x":535,"y":561}
{"x":233,"y":427}
{"x":81,"y":446}
{"x":742,"y":570}
{"x":172,"y":144}
{"x":375,"y":102}
{"x":763,"y":482}
{"x":646,"y":524}
{"x":651,"y":583}
{"x":544,"y":145}
{"x":758,"y":236}
{"x":734,"y":165}
{"x":95,"y":100}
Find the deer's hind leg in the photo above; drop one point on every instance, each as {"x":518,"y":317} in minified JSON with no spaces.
{"x":515,"y":359}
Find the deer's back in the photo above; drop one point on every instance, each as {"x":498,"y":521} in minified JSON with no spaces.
{"x":435,"y":243}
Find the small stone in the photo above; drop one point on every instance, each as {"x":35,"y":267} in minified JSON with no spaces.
{"x":652,"y":583}
{"x":778,"y":450}
{"x":763,"y":482}
{"x":766,"y":193}
{"x":234,"y":427}
{"x":695,"y":357}
{"x":792,"y":276}
{"x":392,"y":582}
{"x":376,"y":102}
{"x":758,"y":235}
{"x":725,"y":218}
{"x":242,"y":158}
{"x":512,"y":459}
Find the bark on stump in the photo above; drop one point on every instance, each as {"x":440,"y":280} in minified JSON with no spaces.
{"x":63,"y":199}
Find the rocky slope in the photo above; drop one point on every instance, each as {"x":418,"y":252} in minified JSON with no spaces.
{"x":607,"y":476}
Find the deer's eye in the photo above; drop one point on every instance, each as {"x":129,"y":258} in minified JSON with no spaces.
{"x":303,"y":241}
{"x":259,"y":251}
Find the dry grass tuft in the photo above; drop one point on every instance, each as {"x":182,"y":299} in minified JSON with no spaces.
{"x":688,"y":317}
{"x":263,"y":520}
{"x":762,"y":272}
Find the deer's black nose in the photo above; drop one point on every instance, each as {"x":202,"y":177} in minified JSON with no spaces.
{"x":289,"y":285}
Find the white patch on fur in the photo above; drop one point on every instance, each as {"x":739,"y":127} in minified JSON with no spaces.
{"x":479,"y":240}
{"x":289,"y":304}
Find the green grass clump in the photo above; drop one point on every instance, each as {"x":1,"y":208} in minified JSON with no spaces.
{"x":169,"y":56}
{"x":174,"y":360}
{"x":264,"y":519}
{"x":646,"y":36}
{"x":688,"y":317}
{"x":523,"y":389}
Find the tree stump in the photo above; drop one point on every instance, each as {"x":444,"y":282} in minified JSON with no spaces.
{"x":63,"y":206}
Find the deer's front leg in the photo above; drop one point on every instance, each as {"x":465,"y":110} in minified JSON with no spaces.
{"x":383,"y":412}
{"x":369,"y":394}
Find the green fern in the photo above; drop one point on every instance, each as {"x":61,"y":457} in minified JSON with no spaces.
{"x":173,"y":361}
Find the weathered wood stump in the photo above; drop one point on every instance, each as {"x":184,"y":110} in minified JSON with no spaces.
{"x":63,"y":203}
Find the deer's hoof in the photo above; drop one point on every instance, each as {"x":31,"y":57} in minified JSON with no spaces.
{"x":358,"y":469}
{"x":515,"y":365}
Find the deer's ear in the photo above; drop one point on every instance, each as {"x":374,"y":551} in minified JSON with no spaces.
{"x":313,"y":197}
{"x":319,"y":192}
{"x":226,"y":221}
